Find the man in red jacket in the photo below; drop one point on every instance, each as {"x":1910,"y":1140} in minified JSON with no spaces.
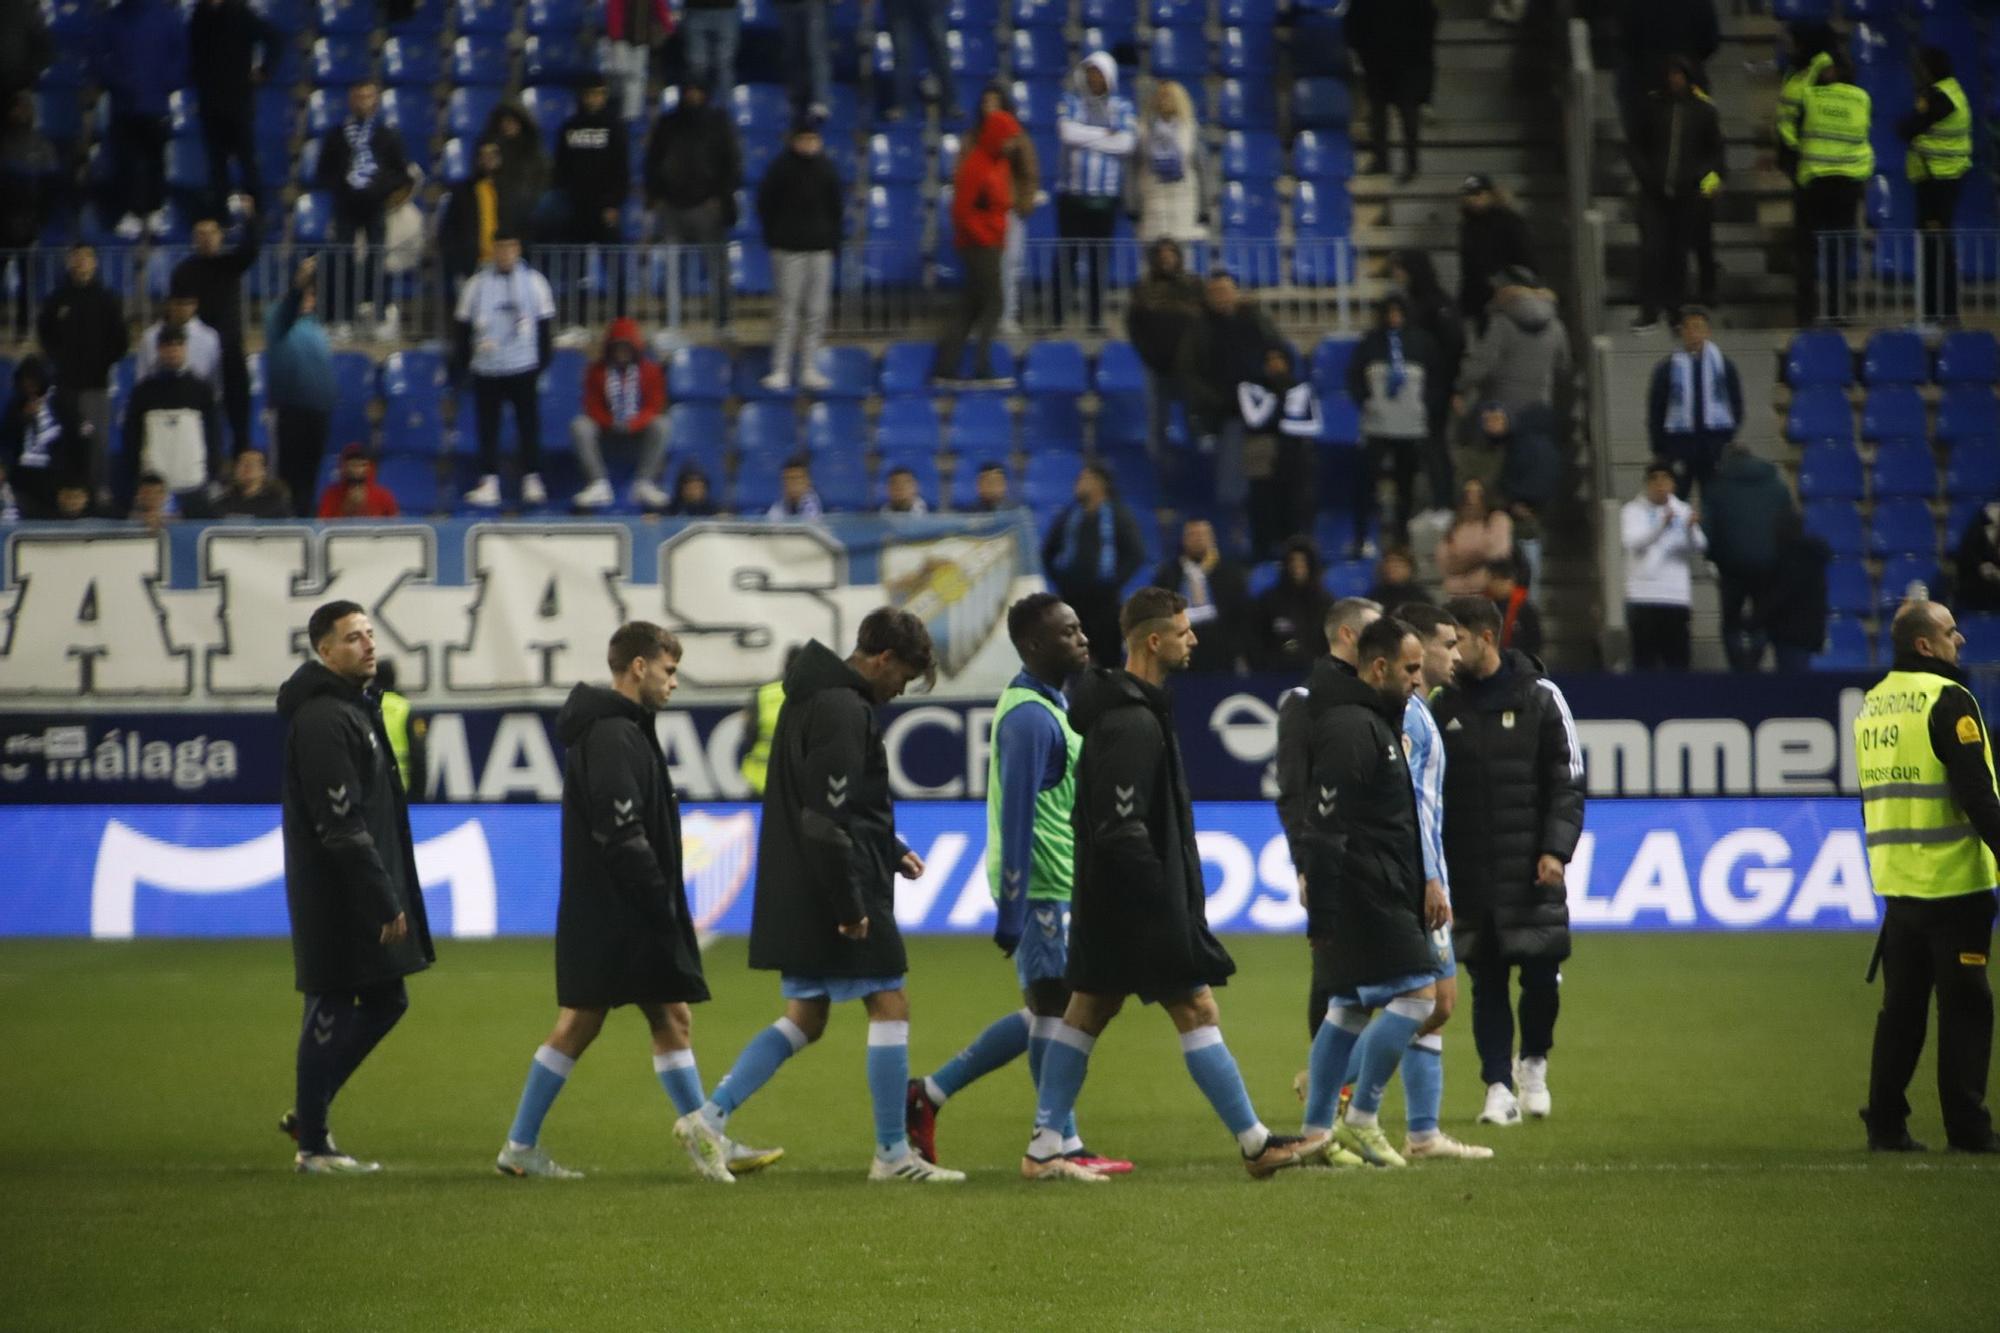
{"x":624,"y":401}
{"x":355,"y":492}
{"x":982,"y":198}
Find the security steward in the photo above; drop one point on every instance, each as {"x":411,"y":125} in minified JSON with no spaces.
{"x":1939,"y":130}
{"x":1930,"y":806}
{"x":1835,"y":162}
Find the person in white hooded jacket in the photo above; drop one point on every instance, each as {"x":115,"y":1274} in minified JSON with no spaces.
{"x":1099,"y":131}
{"x":1662,"y":537}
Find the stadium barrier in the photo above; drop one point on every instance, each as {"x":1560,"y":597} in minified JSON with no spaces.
{"x":1898,"y":276}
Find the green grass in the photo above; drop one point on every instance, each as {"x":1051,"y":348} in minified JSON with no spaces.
{"x":1702,"y":1169}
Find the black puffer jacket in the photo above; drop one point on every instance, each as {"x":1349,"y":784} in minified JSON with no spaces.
{"x":1363,"y":863}
{"x":83,"y":332}
{"x":1138,"y":914}
{"x":1513,"y":793}
{"x":827,"y":850}
{"x":623,"y":931}
{"x":350,"y":867}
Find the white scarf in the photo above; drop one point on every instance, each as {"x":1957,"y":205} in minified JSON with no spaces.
{"x":621,"y":392}
{"x":1715,"y":413}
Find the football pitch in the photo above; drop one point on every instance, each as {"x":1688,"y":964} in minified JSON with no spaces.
{"x":1703,"y":1167}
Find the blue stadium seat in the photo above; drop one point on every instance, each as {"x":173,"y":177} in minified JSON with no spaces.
{"x":1323,"y":155}
{"x":412,"y":385}
{"x":1177,"y":13}
{"x":1969,"y":356}
{"x":1982,"y":637}
{"x":981,"y":424}
{"x":425,"y":23}
{"x":1349,"y":578}
{"x":183,"y":115}
{"x":971,"y":56}
{"x":698,"y":374}
{"x":1251,"y":155}
{"x":907,"y":425}
{"x":697,"y":430}
{"x":412,"y":114}
{"x":1900,"y":527}
{"x":1039,"y":53}
{"x":340,"y":61}
{"x":747,"y":370}
{"x":1969,"y":412}
{"x":1321,"y":103}
{"x":1041,"y":13}
{"x":842,"y":482}
{"x":1329,"y":365}
{"x":1038,"y":103}
{"x":346,"y":18}
{"x":1818,"y":356}
{"x":551,"y":107}
{"x":1973,"y":472}
{"x":561,"y":391}
{"x":554,"y":59}
{"x":1248,"y":104}
{"x":1819,"y":412}
{"x":413,"y":481}
{"x":1048,"y":481}
{"x":768,"y":430}
{"x":1895,"y":356}
{"x":839,"y":425}
{"x":949,"y":146}
{"x":290,"y":17}
{"x":312,"y":218}
{"x":59,"y":113}
{"x":850,"y":369}
{"x":1051,"y":422}
{"x":1318,"y":46}
{"x":1894,"y":412}
{"x":187,"y":165}
{"x":353,"y":388}
{"x":906,"y":369}
{"x":1903,"y":468}
{"x":761,"y":109}
{"x":454,"y":162}
{"x":1248,"y":13}
{"x":1846,"y":647}
{"x":1837,"y":523}
{"x":561,"y":18}
{"x":480,"y":61}
{"x":1900,"y":571}
{"x":750,"y":268}
{"x":411,"y":62}
{"x":325,"y":109}
{"x":1247,"y":53}
{"x":983,"y":15}
{"x":1849,"y":591}
{"x":1056,"y":367}
{"x":493,"y":17}
{"x":1829,"y":471}
{"x":465,"y":112}
{"x":898,"y":158}
{"x":1119,"y":370}
{"x":1178,"y":53}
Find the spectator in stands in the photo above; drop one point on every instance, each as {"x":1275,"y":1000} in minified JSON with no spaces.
{"x":1098,"y":131}
{"x":796,"y":496}
{"x":914,"y":23}
{"x":1679,"y":159}
{"x":74,"y":502}
{"x":1224,"y":347}
{"x":693,"y":498}
{"x":1523,"y":355}
{"x":1530,"y":475}
{"x":139,"y":57}
{"x":39,"y":441}
{"x":1746,"y":502}
{"x":152,"y":503}
{"x":473,"y":211}
{"x":1396,"y":579}
{"x":230,"y":47}
{"x":1389,"y":378}
{"x":25,"y":47}
{"x":1978,"y":561}
{"x":1426,"y":307}
{"x":1288,"y":620}
{"x":1167,"y":168}
{"x":1166,"y":302}
{"x":83,"y":333}
{"x":1491,"y":239}
{"x":215,"y":276}
{"x":1836,"y":160}
{"x":361,"y":164}
{"x":593,"y":169}
{"x":900,"y":493}
{"x":800,"y":206}
{"x":1520,"y":622}
{"x":1809,"y":47}
{"x":355,"y":493}
{"x":1396,"y":41}
{"x":634,"y":29}
{"x":10,"y":506}
{"x":1218,"y":598}
{"x":624,"y":399}
{"x":990,"y":493}
{"x":406,"y":249}
{"x":1281,"y":430}
{"x":523,"y":175}
{"x":1479,"y":534}
{"x":709,"y":31}
{"x":808,"y":54}
{"x":203,"y":343}
{"x":30,"y":177}
{"x":298,"y":383}
{"x":1694,"y":405}
{"x":506,"y":337}
{"x":693,"y":169}
{"x":1796,"y":615}
{"x":982,"y":201}
{"x":1939,"y":130}
{"x":253,"y":492}
{"x":1092,"y":549}
{"x":172,"y":427}
{"x":1662,"y":537}
{"x":1026,"y":166}
{"x":1650,"y":33}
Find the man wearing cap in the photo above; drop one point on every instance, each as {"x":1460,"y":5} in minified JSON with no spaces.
{"x":201,"y":345}
{"x":1491,"y":237}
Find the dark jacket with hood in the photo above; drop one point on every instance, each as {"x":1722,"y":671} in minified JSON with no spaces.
{"x":624,"y":934}
{"x":593,"y":167}
{"x":1138,"y":915}
{"x":1522,"y":357}
{"x":1513,"y":782}
{"x":350,"y":867}
{"x":83,"y":333}
{"x":216,"y":282}
{"x":1219,"y":352}
{"x":1795,"y":599}
{"x":800,"y":203}
{"x":692,"y":157}
{"x":827,"y":850}
{"x":1742,"y":508}
{"x":358,"y":204}
{"x":1680,"y":139}
{"x":1488,"y":243}
{"x":1164,"y":306}
{"x":1361,"y":857}
{"x":1288,"y":620}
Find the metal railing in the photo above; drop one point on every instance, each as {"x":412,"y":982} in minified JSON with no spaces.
{"x":1906,"y":277}
{"x":880,"y":290}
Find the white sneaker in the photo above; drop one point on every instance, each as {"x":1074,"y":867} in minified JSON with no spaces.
{"x":706,"y":1148}
{"x":814,"y":382}
{"x":341,"y":332}
{"x":777,"y":382}
{"x":648,"y":495}
{"x":912,"y":1167}
{"x":743,"y":1159}
{"x":533,"y":493}
{"x":130,"y":227}
{"x":597,"y":495}
{"x":573,"y":336}
{"x":1501,"y":1107}
{"x":335,"y":1163}
{"x":486,"y":495}
{"x":1443,"y":1145}
{"x":1533,"y":1078}
{"x":524,"y":1162}
{"x":156,"y":222}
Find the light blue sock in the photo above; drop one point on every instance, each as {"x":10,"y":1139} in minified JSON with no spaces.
{"x":1216,"y":1074}
{"x":1423,"y":1082}
{"x":680,"y":1078}
{"x":753,"y":1069}
{"x":546,"y":1076}
{"x":1003,"y":1040}
{"x":888,"y":1080}
{"x":1064,"y":1064}
{"x":1041,"y":1029}
{"x":1332,"y":1051}
{"x":1381,"y":1049}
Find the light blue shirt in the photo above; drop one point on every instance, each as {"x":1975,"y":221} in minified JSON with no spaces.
{"x":1427,"y":777}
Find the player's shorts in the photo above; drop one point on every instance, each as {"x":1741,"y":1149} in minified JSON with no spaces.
{"x":1043,"y":952}
{"x":837,"y":989}
{"x":1379,"y":994}
{"x":1447,"y":956}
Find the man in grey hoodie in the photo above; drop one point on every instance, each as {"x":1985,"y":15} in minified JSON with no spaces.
{"x":1524,"y":353}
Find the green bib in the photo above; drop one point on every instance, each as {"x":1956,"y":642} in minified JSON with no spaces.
{"x":1919,"y":843}
{"x":1052,"y":865}
{"x":396,"y":721}
{"x":756,"y":765}
{"x":1833,"y":134}
{"x":1944,"y":151}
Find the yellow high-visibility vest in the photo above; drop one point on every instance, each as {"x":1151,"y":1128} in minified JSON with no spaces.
{"x":1920,"y":844}
{"x":1944,"y":151}
{"x":756,"y":765}
{"x":1833,"y":133}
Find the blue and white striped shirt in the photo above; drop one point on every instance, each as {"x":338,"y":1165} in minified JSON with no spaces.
{"x":1098,"y":134}
{"x":1426,"y":745}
